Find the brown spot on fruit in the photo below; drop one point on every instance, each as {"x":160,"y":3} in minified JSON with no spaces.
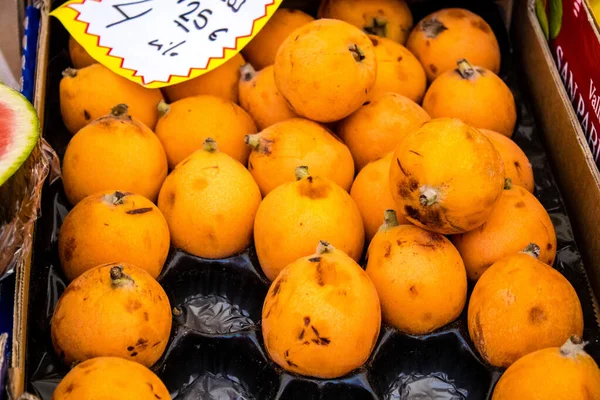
{"x":276,"y":288}
{"x":433,"y":218}
{"x":401,"y":168}
{"x":156,"y":344}
{"x":374,"y":41}
{"x":481,"y":25}
{"x":314,"y":259}
{"x":318,"y":340}
{"x":265,"y":146}
{"x":291,"y":364}
{"x":286,"y":355}
{"x":412,"y":212}
{"x":433,"y":68}
{"x":200,"y":184}
{"x":435,"y":237}
{"x":414,"y":152}
{"x":138,"y":211}
{"x":134,"y":354}
{"x":399,"y":59}
{"x":428,"y":217}
{"x":537,"y":315}
{"x":520,"y":204}
{"x":404,"y":190}
{"x":314,"y":191}
{"x":104,"y":122}
{"x":387,"y":249}
{"x":301,"y":335}
{"x":413,"y":291}
{"x":427,"y":317}
{"x":319,"y":275}
{"x":146,"y":316}
{"x":517,"y":166}
{"x":70,"y":246}
{"x":456,"y":13}
{"x":171,"y":199}
{"x":133,"y":305}
{"x":130,"y":348}
{"x":413,"y":184}
{"x":306,"y":321}
{"x":69,"y":388}
{"x":549,"y":246}
{"x":86,"y":115}
{"x":478,"y":338}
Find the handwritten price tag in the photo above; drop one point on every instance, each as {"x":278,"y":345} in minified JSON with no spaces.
{"x":158,"y":43}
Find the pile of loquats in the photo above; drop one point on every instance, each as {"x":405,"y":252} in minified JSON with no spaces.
{"x":355,"y":131}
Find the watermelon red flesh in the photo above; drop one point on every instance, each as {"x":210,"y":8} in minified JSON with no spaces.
{"x":7,"y":116}
{"x":19,"y":131}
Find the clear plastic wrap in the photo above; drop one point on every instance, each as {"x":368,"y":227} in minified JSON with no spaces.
{"x":20,"y":199}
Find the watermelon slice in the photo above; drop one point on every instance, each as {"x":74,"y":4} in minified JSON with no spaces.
{"x":19,"y":131}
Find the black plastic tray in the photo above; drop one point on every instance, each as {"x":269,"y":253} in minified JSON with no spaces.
{"x":216,"y":349}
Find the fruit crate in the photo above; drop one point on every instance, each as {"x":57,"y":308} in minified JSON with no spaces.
{"x":216,"y":348}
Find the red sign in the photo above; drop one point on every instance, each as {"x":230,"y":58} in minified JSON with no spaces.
{"x":575,"y":47}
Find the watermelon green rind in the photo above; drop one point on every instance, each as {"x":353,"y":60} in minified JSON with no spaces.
{"x":25,"y":132}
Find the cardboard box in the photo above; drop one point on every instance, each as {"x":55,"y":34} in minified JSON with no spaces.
{"x":565,"y":141}
{"x":563,"y":136}
{"x":16,"y":373}
{"x":575,"y":45}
